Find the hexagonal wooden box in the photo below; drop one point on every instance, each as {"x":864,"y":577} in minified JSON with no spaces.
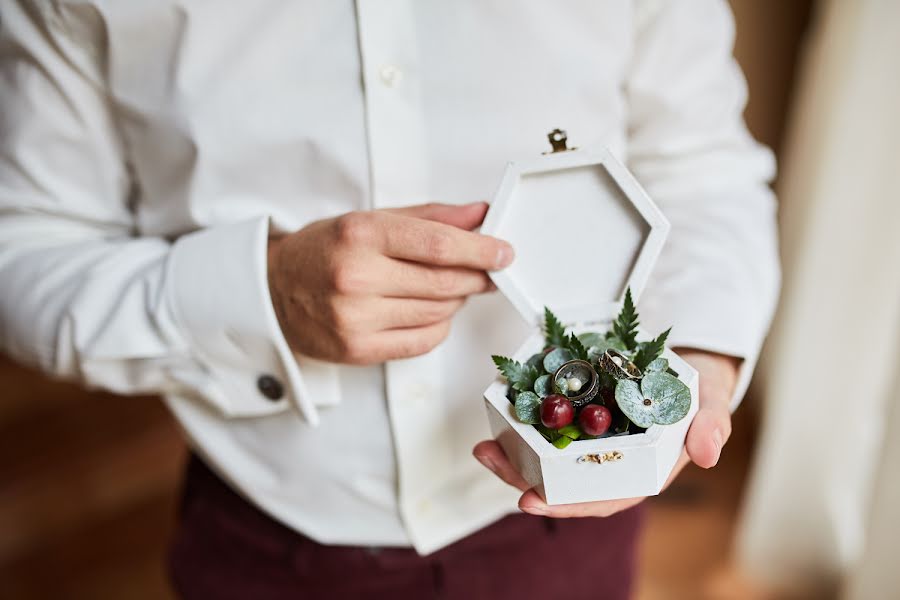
{"x":584,"y":230}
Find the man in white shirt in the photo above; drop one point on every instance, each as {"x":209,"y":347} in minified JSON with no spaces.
{"x":231,"y":206}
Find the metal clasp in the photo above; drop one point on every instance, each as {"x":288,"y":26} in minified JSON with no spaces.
{"x":558,"y":139}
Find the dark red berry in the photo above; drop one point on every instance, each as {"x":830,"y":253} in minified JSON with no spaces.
{"x":556,"y":411}
{"x":595,"y":419}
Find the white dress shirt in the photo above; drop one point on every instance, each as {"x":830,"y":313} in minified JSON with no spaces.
{"x":149,"y":146}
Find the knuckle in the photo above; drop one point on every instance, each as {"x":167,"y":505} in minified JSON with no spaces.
{"x":439,"y":248}
{"x":355,"y":352}
{"x":436,"y":311}
{"x":446,"y":283}
{"x":346,"y":276}
{"x":355,"y":228}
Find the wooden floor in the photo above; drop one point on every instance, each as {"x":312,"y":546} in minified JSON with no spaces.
{"x":88,"y":483}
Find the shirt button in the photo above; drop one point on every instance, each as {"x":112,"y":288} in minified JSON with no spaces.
{"x":270,"y":387}
{"x":391,"y":75}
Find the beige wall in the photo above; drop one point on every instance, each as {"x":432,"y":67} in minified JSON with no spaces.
{"x":769,"y":35}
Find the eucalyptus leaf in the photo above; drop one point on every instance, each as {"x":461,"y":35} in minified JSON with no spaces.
{"x":528,"y":408}
{"x":670,"y":397}
{"x":631,"y":401}
{"x":660,"y":364}
{"x":611,"y":341}
{"x":542,"y":386}
{"x":597,"y":350}
{"x":591,"y":338}
{"x":556,"y":359}
{"x":561,"y":386}
{"x":536,"y":361}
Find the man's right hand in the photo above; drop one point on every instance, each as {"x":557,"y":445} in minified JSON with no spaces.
{"x":368,"y":287}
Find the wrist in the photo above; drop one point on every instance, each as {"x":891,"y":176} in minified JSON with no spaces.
{"x":717,"y":371}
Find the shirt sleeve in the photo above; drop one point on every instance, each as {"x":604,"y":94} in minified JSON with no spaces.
{"x":718,"y":277}
{"x":84,"y":295}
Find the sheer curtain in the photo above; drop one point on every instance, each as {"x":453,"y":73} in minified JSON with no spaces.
{"x":822,"y":513}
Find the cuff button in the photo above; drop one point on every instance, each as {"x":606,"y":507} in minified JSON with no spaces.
{"x":270,"y":387}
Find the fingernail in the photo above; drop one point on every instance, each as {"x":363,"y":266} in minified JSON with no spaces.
{"x":505,"y":255}
{"x":487,"y":462}
{"x":534,"y":510}
{"x":719,"y":441}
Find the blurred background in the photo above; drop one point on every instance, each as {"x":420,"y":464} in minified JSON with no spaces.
{"x":806,"y":500}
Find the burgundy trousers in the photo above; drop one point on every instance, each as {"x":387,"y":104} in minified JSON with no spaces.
{"x":225,"y":548}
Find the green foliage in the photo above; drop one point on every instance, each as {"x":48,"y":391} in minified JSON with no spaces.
{"x":519,"y":376}
{"x":536,"y":361}
{"x":561,"y":386}
{"x":625,"y":325}
{"x":651,"y":396}
{"x":660,"y":398}
{"x":543,"y":386}
{"x":562,"y":441}
{"x":631,"y":401}
{"x":554,"y":332}
{"x":557,"y":358}
{"x":590,"y":338}
{"x":528,"y":408}
{"x":549,"y":434}
{"x":576,"y":347}
{"x":651,"y":350}
{"x":571,"y":431}
{"x":659,"y":364}
{"x":671,"y":398}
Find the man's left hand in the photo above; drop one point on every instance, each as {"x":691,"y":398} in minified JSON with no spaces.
{"x":703,"y":446}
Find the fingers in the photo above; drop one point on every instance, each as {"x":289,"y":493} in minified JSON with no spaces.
{"x":405,"y":279}
{"x":707,"y":436}
{"x":434,"y":243}
{"x":395,"y":344}
{"x":465,"y":216}
{"x":378,"y":313}
{"x":711,"y":427}
{"x":491,"y":455}
{"x":532,"y":503}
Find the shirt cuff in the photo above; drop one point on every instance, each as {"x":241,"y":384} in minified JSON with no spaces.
{"x":745,"y":370}
{"x":219,"y":294}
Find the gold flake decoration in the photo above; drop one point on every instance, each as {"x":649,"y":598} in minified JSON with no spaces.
{"x":613,"y":456}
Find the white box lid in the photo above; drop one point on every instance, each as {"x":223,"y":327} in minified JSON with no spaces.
{"x":583,"y":230}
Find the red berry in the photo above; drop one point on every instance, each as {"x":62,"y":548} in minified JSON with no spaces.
{"x":556,"y":411}
{"x":594,"y":419}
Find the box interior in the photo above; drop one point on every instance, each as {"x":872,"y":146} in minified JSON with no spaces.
{"x":577,"y":238}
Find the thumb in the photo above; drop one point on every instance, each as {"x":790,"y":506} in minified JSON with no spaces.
{"x":463,"y":216}
{"x":708,"y":433}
